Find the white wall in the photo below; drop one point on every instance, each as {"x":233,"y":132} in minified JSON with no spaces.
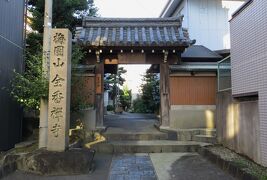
{"x":207,"y":21}
{"x":249,"y":60}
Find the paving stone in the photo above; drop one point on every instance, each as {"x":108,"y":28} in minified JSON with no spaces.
{"x":136,"y":173}
{"x":121,"y":168}
{"x":148,"y":178}
{"x":147,"y":168}
{"x":117,"y":172}
{"x":149,"y":173}
{"x":116,"y":177}
{"x":134,"y":167}
{"x":133,"y":177}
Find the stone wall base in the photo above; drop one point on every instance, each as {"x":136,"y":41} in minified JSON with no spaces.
{"x":42,"y":162}
{"x":192,"y":116}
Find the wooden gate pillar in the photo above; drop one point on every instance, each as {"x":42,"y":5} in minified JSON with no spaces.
{"x":164,"y":95}
{"x":99,"y":101}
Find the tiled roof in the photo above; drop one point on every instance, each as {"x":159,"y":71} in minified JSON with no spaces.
{"x":149,"y":32}
{"x":200,"y":52}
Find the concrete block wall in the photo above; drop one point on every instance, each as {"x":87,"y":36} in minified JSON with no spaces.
{"x":238,"y":125}
{"x":249,"y":61}
{"x":192,"y":116}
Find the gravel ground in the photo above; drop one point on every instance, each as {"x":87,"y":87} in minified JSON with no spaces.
{"x":241,"y":161}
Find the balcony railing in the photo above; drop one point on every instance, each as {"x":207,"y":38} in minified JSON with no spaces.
{"x":224,"y":74}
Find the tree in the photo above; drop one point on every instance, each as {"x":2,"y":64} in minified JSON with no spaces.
{"x":139,"y":106}
{"x":126,"y":98}
{"x":149,"y":100}
{"x":113,"y":83}
{"x":28,"y":87}
{"x":150,"y":92}
{"x":66,"y":13}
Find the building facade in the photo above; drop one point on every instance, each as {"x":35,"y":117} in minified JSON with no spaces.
{"x":249,"y":82}
{"x":206,"y":20}
{"x":11,"y":58}
{"x":194,"y":90}
{"x":193,"y":86}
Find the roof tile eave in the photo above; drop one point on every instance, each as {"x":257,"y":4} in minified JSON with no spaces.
{"x":135,"y":33}
{"x":139,"y":46}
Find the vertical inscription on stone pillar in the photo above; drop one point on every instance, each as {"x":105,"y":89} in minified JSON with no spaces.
{"x":98,"y":83}
{"x":59,"y":90}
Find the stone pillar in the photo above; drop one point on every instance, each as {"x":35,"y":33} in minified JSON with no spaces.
{"x":59,"y":90}
{"x":99,"y":95}
{"x":164,"y":95}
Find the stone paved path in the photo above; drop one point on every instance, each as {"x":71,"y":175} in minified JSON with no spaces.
{"x":130,"y":122}
{"x":132,"y":167}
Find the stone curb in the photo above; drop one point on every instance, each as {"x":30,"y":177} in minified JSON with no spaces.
{"x":225,"y":165}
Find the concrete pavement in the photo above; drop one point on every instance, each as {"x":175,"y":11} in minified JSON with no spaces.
{"x":186,"y":166}
{"x":130,"y":123}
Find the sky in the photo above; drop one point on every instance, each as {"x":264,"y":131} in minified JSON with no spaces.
{"x":131,"y":9}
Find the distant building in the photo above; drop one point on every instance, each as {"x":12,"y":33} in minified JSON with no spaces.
{"x":193,"y":81}
{"x":11,"y":57}
{"x":242,"y":111}
{"x":206,"y":20}
{"x":193,"y":87}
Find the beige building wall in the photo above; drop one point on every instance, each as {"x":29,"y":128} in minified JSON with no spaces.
{"x":249,"y":61}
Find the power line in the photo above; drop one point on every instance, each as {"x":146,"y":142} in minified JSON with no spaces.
{"x":11,"y":42}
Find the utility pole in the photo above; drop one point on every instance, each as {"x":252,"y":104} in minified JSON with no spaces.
{"x":45,"y":65}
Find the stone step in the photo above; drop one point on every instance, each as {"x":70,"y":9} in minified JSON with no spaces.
{"x":135,"y":136}
{"x":155,"y":146}
{"x":188,"y":134}
{"x":210,"y":132}
{"x":205,"y":138}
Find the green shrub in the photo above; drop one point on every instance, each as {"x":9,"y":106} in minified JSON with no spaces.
{"x":139,"y":106}
{"x":29,"y":87}
{"x":110,"y":108}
